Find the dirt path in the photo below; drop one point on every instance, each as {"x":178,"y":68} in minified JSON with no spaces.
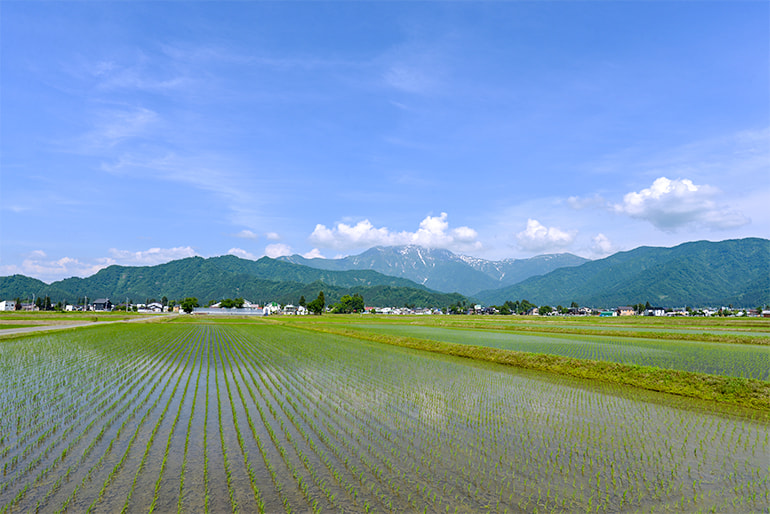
{"x":5,"y":332}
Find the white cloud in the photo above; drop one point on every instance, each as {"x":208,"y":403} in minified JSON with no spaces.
{"x":247,"y":234}
{"x":277,"y":250}
{"x":152,"y":256}
{"x":538,"y":238}
{"x":37,"y":264}
{"x":273,"y":236}
{"x":585,"y":202}
{"x":315,"y":253}
{"x":672,"y":204}
{"x":601,"y":245}
{"x":243,"y":254}
{"x":433,"y":232}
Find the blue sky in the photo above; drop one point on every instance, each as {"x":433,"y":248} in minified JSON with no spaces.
{"x":136,"y":133}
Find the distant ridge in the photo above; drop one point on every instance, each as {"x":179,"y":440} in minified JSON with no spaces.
{"x":227,"y":277}
{"x":443,"y":270}
{"x":702,"y":273}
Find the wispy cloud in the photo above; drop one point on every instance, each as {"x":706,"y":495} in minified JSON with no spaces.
{"x":247,"y":234}
{"x":112,"y":127}
{"x":241,"y":195}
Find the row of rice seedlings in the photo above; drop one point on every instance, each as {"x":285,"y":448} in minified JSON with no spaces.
{"x":169,"y":354}
{"x":746,"y":361}
{"x":217,"y":353}
{"x":148,"y":379}
{"x":555,"y":462}
{"x":71,"y":421}
{"x":177,"y":358}
{"x":237,"y":349}
{"x":301,"y":483}
{"x":366,"y":426}
{"x":426,"y":460}
{"x":244,"y":451}
{"x":371,"y":466}
{"x":191,"y":350}
{"x":263,"y":450}
{"x":271,"y":394}
{"x":206,"y":492}
{"x":68,"y":450}
{"x":36,"y":400}
{"x":373,"y":481}
{"x":182,"y":474}
{"x":64,"y":435}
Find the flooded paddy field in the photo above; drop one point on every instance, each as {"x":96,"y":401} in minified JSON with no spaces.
{"x":737,"y":360}
{"x":255,"y":417}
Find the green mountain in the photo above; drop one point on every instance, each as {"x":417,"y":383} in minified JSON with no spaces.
{"x":441,"y":269}
{"x":699,"y":273}
{"x":227,"y":277}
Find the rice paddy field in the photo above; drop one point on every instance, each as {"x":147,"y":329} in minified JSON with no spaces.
{"x":277,"y":416}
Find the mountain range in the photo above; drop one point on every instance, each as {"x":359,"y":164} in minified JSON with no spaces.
{"x":443,"y":270}
{"x":701,"y":273}
{"x":698,"y":273}
{"x":228,"y":276}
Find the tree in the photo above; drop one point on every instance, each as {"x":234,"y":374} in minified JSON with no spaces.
{"x":317,"y":305}
{"x":545,"y":309}
{"x":232,"y":304}
{"x":17,"y":305}
{"x":164,"y":301}
{"x":348,"y":304}
{"x":302,"y":302}
{"x":190,"y":303}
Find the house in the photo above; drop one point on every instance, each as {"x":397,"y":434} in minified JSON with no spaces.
{"x":626,"y":311}
{"x":155,"y":307}
{"x":289,"y":309}
{"x":655,"y":311}
{"x":102,"y":304}
{"x":8,"y":305}
{"x":272,"y":308}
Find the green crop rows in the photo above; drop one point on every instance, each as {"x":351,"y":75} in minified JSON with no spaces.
{"x":257,"y":417}
{"x":745,"y":361}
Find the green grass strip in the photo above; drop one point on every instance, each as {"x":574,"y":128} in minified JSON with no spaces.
{"x":704,"y":337}
{"x":754,"y":394}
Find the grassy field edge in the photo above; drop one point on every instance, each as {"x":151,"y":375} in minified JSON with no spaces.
{"x":754,"y":394}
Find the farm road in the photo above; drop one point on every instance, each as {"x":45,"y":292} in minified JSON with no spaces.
{"x":65,"y":325}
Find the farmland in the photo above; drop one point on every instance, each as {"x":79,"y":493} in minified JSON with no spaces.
{"x":270,"y":416}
